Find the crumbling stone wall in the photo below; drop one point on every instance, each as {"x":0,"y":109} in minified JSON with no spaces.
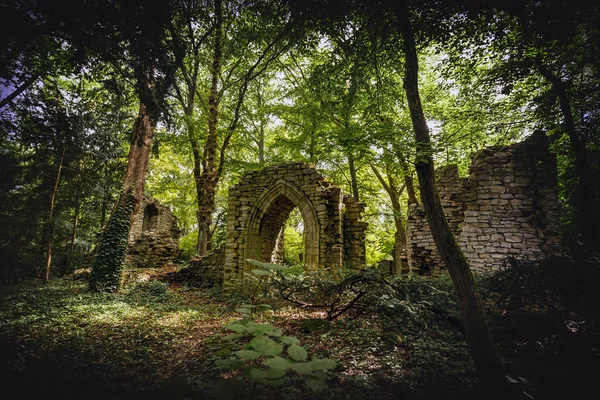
{"x":154,"y":236}
{"x":260,"y":204}
{"x":507,"y":206}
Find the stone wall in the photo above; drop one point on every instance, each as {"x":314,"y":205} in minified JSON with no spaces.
{"x":260,"y":204}
{"x":506,"y":207}
{"x":154,"y":236}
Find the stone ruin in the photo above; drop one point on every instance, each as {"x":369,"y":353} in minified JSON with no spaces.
{"x":506,"y":207}
{"x":153,"y":237}
{"x":259,"y":205}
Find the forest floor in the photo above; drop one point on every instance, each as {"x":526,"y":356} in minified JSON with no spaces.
{"x":149,"y":341}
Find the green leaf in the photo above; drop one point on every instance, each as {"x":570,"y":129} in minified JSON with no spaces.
{"x":260,"y":341}
{"x":237,"y":328}
{"x":230,"y":363}
{"x":275,"y":373}
{"x":247,"y":354}
{"x":303,"y":368}
{"x":288,"y":340}
{"x":233,"y":336}
{"x":297,"y":353}
{"x":242,"y":310}
{"x":265,"y":306}
{"x":264,"y":328}
{"x":270,"y":349}
{"x":260,"y":272}
{"x":278,"y":363}
{"x":248,"y":306}
{"x":316,"y":385}
{"x":323,"y":363}
{"x":275,"y":333}
{"x":258,"y":374}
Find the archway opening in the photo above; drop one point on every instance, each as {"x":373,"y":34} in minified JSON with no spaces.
{"x":150,"y":222}
{"x":284,"y":231}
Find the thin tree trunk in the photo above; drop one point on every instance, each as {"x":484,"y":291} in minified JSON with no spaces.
{"x":400,"y":234}
{"x":408,"y":180}
{"x":353,"y":178}
{"x":18,"y":90}
{"x":581,"y":158}
{"x":50,"y":221}
{"x":209,"y":177}
{"x":75,"y":223}
{"x":478,"y":335}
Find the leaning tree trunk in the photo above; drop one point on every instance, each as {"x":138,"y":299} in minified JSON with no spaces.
{"x":50,"y":229}
{"x":210,"y":175}
{"x":477,"y":333}
{"x":586,"y":206}
{"x":108,"y":263}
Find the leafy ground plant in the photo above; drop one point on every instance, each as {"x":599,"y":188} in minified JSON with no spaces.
{"x":262,"y":358}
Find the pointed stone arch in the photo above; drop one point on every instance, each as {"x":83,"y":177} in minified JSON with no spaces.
{"x":268,"y":216}
{"x":260,"y":204}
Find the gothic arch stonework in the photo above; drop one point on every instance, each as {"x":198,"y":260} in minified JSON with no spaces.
{"x":260,"y":204}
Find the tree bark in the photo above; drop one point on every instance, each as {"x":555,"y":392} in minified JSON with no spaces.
{"x":586,"y":206}
{"x":400,"y":234}
{"x":477,"y":333}
{"x":209,"y":177}
{"x":353,"y":178}
{"x":50,"y":229}
{"x":107,"y":266}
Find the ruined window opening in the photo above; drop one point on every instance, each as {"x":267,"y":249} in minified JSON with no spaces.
{"x":150,"y":218}
{"x":290,"y":244}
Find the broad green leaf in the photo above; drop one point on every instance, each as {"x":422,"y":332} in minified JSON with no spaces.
{"x":233,"y":336}
{"x":275,"y":333}
{"x":237,"y":328}
{"x":263,"y":328}
{"x":303,"y":368}
{"x":270,"y":349}
{"x":258,"y":374}
{"x":264,"y":305}
{"x":289,"y":340}
{"x":275,"y":373}
{"x":323,"y":363}
{"x":316,"y":385}
{"x":297,"y":353}
{"x":242,"y":310}
{"x":260,"y":341}
{"x":260,"y":272}
{"x":230,"y":363}
{"x":247,"y":354}
{"x":278,"y":363}
{"x":247,"y":306}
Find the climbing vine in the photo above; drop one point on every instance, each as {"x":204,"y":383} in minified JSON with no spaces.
{"x":108,"y":263}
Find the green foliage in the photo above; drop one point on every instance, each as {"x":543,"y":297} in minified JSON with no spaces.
{"x":108,"y":263}
{"x":188,"y":245}
{"x":264,"y":361}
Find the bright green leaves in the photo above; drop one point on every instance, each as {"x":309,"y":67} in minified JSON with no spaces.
{"x":247,"y":355}
{"x":262,"y":356}
{"x":297,"y":353}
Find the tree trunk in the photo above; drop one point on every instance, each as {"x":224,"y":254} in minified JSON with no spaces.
{"x":209,"y":177}
{"x":353,"y":178}
{"x":400,"y":234}
{"x":586,"y":206}
{"x":477,"y":333}
{"x":107,"y":266}
{"x":408,"y":180}
{"x":50,"y":229}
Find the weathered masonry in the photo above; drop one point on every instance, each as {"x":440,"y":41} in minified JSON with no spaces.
{"x":154,"y":236}
{"x":507,"y":206}
{"x":260,"y":204}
